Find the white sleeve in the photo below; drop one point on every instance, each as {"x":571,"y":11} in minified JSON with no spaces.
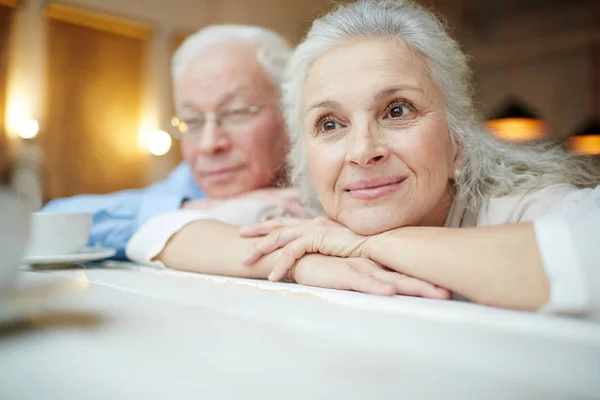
{"x":152,"y":236}
{"x":568,"y":241}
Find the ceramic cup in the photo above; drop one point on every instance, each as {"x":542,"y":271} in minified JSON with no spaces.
{"x":54,"y":234}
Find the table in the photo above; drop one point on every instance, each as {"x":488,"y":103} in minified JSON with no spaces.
{"x":135,"y":332}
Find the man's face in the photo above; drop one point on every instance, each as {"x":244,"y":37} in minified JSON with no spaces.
{"x":236,"y":140}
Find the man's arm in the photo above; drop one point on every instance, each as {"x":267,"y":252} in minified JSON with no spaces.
{"x":117,"y":216}
{"x":201,"y":241}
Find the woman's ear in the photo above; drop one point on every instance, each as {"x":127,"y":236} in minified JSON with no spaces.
{"x":456,"y":160}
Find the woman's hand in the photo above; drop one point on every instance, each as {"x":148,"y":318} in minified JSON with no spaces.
{"x":298,"y":237}
{"x":360,"y":275}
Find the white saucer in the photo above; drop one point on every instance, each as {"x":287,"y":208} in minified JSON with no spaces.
{"x":84,"y":255}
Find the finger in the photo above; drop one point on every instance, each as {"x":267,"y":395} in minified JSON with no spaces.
{"x":444,"y":294}
{"x":367,"y":283}
{"x":291,"y":206}
{"x":297,"y":210}
{"x":291,"y":253}
{"x":410,"y":286}
{"x":266,"y":227}
{"x":273,"y":241}
{"x":404,"y":284}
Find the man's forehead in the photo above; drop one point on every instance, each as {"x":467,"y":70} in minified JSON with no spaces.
{"x":229,"y":72}
{"x":221,"y":98}
{"x":234,"y":90}
{"x":233,"y":57}
{"x":223,"y":75}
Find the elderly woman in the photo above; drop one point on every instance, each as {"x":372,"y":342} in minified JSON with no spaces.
{"x":388,"y":147}
{"x":227,"y":80}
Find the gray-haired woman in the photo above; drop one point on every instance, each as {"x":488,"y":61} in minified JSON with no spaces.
{"x":385,"y":137}
{"x":226,"y":81}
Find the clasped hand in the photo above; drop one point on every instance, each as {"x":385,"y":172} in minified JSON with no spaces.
{"x":348,"y":257}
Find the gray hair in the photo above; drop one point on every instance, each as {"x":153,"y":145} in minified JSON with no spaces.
{"x":273,"y":50}
{"x":490,"y":167}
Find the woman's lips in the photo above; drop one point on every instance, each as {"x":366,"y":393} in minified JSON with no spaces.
{"x":371,"y":189}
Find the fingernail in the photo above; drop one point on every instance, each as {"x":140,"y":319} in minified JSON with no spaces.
{"x":271,"y":276}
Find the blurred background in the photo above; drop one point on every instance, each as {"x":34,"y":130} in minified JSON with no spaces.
{"x":85,"y":84}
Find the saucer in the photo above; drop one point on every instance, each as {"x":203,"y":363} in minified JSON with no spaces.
{"x":84,"y":255}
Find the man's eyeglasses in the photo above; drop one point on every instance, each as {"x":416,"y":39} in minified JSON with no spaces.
{"x":228,"y":120}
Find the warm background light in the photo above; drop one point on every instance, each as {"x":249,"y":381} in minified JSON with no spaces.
{"x":517,"y":129}
{"x":586,"y":140}
{"x":29,"y":128}
{"x":158,"y":143}
{"x":515,"y":121}
{"x":585,"y":145}
{"x":18,"y":111}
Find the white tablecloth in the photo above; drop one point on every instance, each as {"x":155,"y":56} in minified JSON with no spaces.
{"x":144,"y":333}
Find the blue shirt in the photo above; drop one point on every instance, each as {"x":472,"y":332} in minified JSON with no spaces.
{"x":117,"y":216}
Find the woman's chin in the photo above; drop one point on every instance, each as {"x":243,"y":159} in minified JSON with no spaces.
{"x":368,"y":225}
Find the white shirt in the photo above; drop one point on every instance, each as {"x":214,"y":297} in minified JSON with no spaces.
{"x":569,"y":243}
{"x":515,"y":208}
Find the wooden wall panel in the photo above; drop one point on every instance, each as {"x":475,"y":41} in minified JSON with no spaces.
{"x":95,"y":88}
{"x":5,"y":23}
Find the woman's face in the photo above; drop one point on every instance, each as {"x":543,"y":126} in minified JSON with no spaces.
{"x":378,"y":145}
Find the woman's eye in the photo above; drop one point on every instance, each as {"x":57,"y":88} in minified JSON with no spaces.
{"x":328,"y":125}
{"x":398,"y":112}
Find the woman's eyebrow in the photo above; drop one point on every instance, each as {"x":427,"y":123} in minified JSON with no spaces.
{"x":387,"y":92}
{"x":325,"y":104}
{"x":384,"y":93}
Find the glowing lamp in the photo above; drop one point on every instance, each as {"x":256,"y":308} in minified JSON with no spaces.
{"x":586,"y":140}
{"x":28,"y":128}
{"x":158,"y":143}
{"x":517,"y":123}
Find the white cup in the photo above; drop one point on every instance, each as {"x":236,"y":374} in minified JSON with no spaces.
{"x":54,"y":234}
{"x":14,"y":224}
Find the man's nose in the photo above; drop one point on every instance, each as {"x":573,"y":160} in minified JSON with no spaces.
{"x":213,"y":139}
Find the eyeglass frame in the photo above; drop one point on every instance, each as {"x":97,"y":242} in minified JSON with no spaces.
{"x":180,"y":133}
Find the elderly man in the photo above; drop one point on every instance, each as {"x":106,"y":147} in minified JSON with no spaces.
{"x":226,"y":82}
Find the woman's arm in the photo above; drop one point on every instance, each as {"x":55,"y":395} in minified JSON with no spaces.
{"x":498,"y":266}
{"x":213,"y":247}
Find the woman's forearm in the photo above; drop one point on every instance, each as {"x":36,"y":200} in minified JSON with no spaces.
{"x":498,"y":266}
{"x":212,"y":247}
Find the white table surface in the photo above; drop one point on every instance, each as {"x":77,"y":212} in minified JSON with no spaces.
{"x":145,"y":333}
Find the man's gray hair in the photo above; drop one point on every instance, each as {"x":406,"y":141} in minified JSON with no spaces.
{"x":273,"y":50}
{"x":490,"y":167}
